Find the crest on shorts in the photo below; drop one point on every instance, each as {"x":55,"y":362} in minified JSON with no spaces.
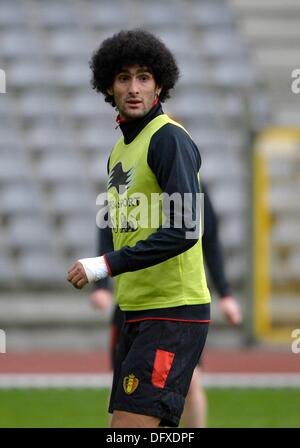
{"x":130,"y":383}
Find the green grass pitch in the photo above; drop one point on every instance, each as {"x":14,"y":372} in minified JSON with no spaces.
{"x":83,"y":408}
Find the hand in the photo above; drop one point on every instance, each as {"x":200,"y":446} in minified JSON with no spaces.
{"x":87,"y":270}
{"x":101,"y":298}
{"x":77,"y":276}
{"x":231,"y":310}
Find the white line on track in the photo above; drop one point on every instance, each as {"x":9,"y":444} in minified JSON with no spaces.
{"x":100,"y":381}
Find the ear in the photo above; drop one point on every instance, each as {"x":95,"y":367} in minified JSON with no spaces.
{"x":158,"y":90}
{"x":110,"y":91}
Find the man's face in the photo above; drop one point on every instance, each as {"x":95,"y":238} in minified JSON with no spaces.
{"x":134,"y":90}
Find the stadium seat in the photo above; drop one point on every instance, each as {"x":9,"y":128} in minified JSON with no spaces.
{"x":211,"y":13}
{"x":222,"y":45}
{"x":20,"y":44}
{"x":7,"y":271}
{"x":286,"y":232}
{"x":229,"y":199}
{"x":39,"y":268}
{"x":273,"y":31}
{"x":225,"y":169}
{"x":39,"y":105}
{"x":29,"y":232}
{"x":34,"y":74}
{"x":6,"y":107}
{"x":233,"y":105}
{"x":108,"y":16}
{"x":47,"y":134}
{"x":14,"y":167}
{"x":65,"y":45}
{"x":97,"y":167}
{"x":160,"y":15}
{"x":204,"y":104}
{"x":55,"y":16}
{"x":78,"y":233}
{"x":192,"y":72}
{"x":11,"y":139}
{"x":234,"y":73}
{"x":278,"y":198}
{"x":236,"y":268}
{"x":95,"y":139}
{"x":233,"y":233}
{"x":61,"y":168}
{"x":75,"y":199}
{"x":256,"y":7}
{"x":177,"y":40}
{"x":275,"y":58}
{"x":86,"y":105}
{"x":19,"y":199}
{"x":74,"y":74}
{"x":14,"y":15}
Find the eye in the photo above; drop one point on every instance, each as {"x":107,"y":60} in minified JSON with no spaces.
{"x":144,"y":77}
{"x":122,"y":78}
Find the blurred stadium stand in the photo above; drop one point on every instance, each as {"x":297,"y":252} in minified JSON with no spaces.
{"x":56,"y":135}
{"x":272,"y":31}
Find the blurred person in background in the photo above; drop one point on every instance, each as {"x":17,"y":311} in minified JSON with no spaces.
{"x":160,"y":278}
{"x":195,"y":408}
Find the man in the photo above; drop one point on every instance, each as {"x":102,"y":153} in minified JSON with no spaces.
{"x":195,"y":408}
{"x":160,"y":279}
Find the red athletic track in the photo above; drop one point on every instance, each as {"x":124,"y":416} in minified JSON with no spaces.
{"x":215,"y":361}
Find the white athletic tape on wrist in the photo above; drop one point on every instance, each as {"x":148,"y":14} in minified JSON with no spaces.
{"x":95,"y":268}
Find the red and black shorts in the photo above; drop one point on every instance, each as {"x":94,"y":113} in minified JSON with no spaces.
{"x":154,"y":367}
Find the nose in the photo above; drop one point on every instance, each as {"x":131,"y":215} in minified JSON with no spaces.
{"x":133,"y":87}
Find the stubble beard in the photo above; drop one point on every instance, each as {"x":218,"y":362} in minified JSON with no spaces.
{"x":133,"y":115}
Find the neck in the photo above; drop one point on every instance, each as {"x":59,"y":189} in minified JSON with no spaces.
{"x":131,"y":128}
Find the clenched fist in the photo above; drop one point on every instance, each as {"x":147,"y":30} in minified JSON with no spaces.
{"x":77,"y":275}
{"x":87,"y":270}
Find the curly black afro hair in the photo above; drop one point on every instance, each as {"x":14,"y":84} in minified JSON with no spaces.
{"x":129,"y":48}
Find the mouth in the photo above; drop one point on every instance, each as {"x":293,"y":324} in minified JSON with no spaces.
{"x":133,"y":102}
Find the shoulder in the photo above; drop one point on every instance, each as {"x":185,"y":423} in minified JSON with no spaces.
{"x":173,"y":141}
{"x":170,"y":131}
